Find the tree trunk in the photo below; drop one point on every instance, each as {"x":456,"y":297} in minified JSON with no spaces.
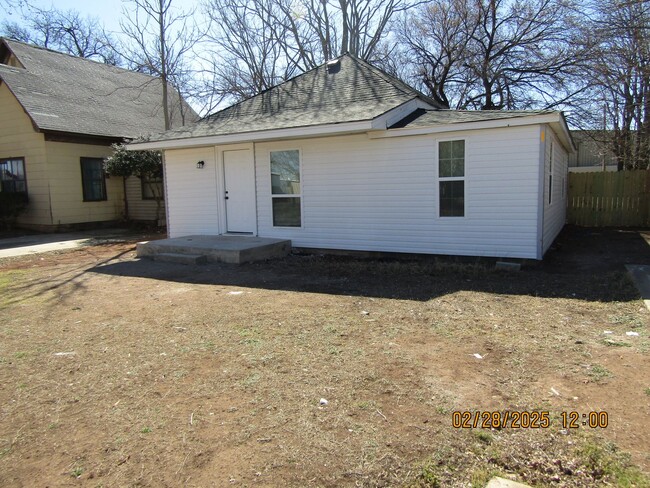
{"x":163,"y":63}
{"x":126,"y":200}
{"x":345,"y":39}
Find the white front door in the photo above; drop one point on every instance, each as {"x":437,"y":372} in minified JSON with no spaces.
{"x":239,"y":176}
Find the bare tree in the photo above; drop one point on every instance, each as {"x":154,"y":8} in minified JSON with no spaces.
{"x":159,"y":38}
{"x":65,"y":31}
{"x":619,"y":33}
{"x":10,"y":5}
{"x":437,"y":39}
{"x":258,"y":43}
{"x":245,"y":55}
{"x":493,"y":54}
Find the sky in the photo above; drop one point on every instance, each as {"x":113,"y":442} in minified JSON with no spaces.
{"x":107,"y":11}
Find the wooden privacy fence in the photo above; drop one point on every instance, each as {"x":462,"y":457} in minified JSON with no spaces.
{"x":609,"y":199}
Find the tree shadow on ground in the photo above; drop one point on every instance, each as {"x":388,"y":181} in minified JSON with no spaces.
{"x":584,"y":264}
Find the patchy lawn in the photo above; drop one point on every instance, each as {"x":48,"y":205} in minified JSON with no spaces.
{"x":121,"y":372}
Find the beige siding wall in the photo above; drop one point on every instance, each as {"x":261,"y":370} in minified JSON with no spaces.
{"x":68,"y":207}
{"x":19,"y":139}
{"x":140,"y":209}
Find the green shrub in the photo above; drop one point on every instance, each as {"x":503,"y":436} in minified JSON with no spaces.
{"x":11,"y":205}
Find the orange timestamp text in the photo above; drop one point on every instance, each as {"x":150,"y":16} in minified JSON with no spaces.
{"x":522,"y":419}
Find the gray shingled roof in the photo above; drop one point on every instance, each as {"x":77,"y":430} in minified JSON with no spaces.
{"x":430,"y":118}
{"x":64,"y":93}
{"x":357,"y":91}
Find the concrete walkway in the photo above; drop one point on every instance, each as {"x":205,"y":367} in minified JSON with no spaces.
{"x":37,"y":243}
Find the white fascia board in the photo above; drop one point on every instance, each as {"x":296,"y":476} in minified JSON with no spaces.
{"x":264,"y":135}
{"x":486,"y":124}
{"x":396,"y":114}
{"x":561,"y":129}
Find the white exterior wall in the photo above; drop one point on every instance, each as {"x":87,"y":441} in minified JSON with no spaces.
{"x":382,"y":194}
{"x":379,"y":194}
{"x":555,"y":212}
{"x":192,"y":192}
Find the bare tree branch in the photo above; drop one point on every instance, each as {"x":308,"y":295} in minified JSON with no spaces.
{"x":158,"y":40}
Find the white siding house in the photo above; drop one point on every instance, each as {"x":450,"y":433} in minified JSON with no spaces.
{"x":556,"y":167}
{"x":475,"y":184}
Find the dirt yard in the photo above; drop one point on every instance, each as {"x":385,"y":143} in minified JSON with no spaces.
{"x":116,"y":371}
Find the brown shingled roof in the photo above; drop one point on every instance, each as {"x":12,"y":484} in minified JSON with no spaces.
{"x":63,"y":93}
{"x":353,"y":91}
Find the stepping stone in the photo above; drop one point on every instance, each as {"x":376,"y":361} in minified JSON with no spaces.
{"x":497,"y":482}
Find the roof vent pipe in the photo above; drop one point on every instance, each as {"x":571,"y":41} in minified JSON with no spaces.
{"x":333,"y":66}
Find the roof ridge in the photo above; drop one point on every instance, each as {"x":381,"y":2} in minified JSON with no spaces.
{"x":394,"y":81}
{"x":8,"y":41}
{"x":293,"y":78}
{"x":391,"y":80}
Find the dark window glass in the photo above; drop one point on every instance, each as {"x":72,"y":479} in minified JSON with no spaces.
{"x":286,"y":212}
{"x":152,"y":188}
{"x":92,"y":178}
{"x":12,"y":175}
{"x":451,"y":159}
{"x":452,"y":198}
{"x":285,"y":172}
{"x":451,"y":171}
{"x":285,"y":180}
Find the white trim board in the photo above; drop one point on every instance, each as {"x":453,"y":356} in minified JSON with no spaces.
{"x":374,"y":127}
{"x":264,"y":135}
{"x":555,"y":120}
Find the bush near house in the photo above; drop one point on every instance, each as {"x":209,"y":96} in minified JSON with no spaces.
{"x":11,"y":205}
{"x":146,"y":165}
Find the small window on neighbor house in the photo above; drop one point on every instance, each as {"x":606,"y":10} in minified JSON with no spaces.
{"x":92,"y":179}
{"x":12,"y":175}
{"x":451,"y":173}
{"x":285,"y":188}
{"x":152,"y":188}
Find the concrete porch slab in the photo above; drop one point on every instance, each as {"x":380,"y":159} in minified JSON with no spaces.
{"x":224,"y":249}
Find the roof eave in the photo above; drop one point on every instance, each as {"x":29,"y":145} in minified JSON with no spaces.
{"x":399,"y":112}
{"x":564,"y":133}
{"x":263,"y":135}
{"x":81,"y":137}
{"x":22,"y":105}
{"x":555,"y":120}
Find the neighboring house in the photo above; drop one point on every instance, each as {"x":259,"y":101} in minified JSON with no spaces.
{"x":59,"y":114}
{"x":347,"y":157}
{"x":592,"y":152}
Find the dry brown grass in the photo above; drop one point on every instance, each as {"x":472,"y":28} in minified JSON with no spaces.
{"x":212,"y":376}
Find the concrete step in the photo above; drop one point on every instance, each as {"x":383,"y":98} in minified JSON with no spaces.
{"x":218,"y":249}
{"x":173,"y":257}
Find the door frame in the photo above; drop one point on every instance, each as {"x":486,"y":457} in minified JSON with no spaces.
{"x":221,"y":184}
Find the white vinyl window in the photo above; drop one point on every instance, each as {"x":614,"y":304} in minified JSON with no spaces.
{"x":286,"y":189}
{"x":451,"y":175}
